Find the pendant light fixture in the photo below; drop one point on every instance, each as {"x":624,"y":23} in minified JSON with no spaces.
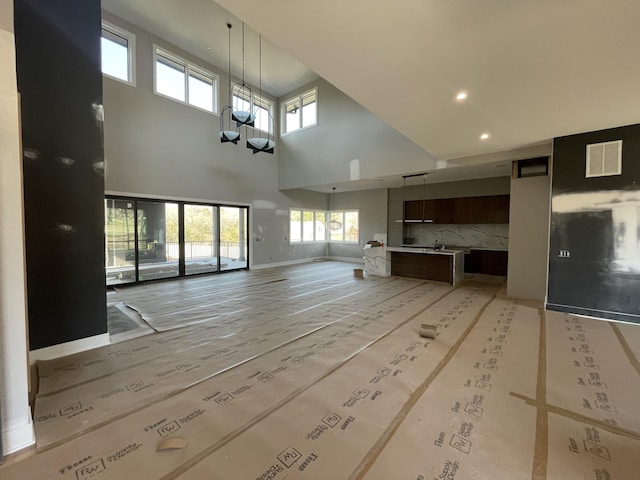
{"x":259,"y":143}
{"x":243,"y":112}
{"x":333,"y":224}
{"x":228,"y":135}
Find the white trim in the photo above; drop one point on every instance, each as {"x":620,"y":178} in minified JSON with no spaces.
{"x":288,"y":262}
{"x":315,"y":221}
{"x":69,"y":348}
{"x":347,"y":259}
{"x":131,"y":52}
{"x":188,"y":67}
{"x":283,"y":113}
{"x":344,"y":234}
{"x":17,"y":437}
{"x":261,"y":101}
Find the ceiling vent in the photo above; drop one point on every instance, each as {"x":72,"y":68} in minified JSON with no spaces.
{"x":604,"y":159}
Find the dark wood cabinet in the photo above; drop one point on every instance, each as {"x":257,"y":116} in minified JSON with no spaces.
{"x":425,"y":266}
{"x":491,"y":262}
{"x":491,"y":209}
{"x":444,"y":211}
{"x":477,"y":210}
{"x":430,"y":210}
{"x":413,"y":210}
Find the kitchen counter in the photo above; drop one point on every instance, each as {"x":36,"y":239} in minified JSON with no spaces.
{"x":421,"y":249}
{"x":426,"y":263}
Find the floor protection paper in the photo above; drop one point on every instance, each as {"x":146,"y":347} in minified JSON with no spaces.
{"x":211,"y":413}
{"x":90,"y":404}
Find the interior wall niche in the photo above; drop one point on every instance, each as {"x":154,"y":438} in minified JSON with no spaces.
{"x":594,"y":255}
{"x":60,"y":85}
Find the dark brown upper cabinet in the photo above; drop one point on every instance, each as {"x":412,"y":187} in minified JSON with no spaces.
{"x":478,"y":210}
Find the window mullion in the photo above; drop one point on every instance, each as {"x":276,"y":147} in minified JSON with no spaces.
{"x":314,"y":226}
{"x":187,"y":70}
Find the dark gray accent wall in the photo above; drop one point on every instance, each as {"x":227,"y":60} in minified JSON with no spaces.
{"x":60,"y":84}
{"x":594,"y":259}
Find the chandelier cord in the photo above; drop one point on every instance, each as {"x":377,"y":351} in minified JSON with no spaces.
{"x":229,"y":77}
{"x":242,"y":53}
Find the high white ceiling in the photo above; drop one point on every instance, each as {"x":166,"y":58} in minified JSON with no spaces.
{"x":532,"y":69}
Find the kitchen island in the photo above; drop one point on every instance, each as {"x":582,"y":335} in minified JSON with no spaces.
{"x":428,"y":264}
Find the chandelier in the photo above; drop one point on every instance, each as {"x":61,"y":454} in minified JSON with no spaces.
{"x":242,"y":111}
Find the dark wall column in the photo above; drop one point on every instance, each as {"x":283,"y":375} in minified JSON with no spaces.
{"x":594,"y":258}
{"x":60,"y":83}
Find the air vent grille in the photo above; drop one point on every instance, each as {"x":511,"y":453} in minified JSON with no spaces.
{"x":604,"y":159}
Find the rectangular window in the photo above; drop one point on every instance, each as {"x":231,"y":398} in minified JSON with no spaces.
{"x":295,"y":226}
{"x":307,"y":226}
{"x":350,"y":229}
{"x":300,"y":112}
{"x":186,"y":83}
{"x":117,"y":53}
{"x":263,"y":108}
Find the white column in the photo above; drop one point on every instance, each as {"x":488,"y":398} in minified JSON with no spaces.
{"x":17,"y":427}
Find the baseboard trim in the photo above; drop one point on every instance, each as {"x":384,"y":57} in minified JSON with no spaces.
{"x":17,"y":437}
{"x":595,"y":314}
{"x":69,"y":348}
{"x":288,"y":262}
{"x":347,"y":259}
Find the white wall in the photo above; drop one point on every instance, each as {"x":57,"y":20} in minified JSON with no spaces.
{"x":17,"y":428}
{"x":321,"y":155}
{"x":528,"y":237}
{"x":157,"y":147}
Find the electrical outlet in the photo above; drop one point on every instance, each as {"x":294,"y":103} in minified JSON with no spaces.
{"x":564,"y":254}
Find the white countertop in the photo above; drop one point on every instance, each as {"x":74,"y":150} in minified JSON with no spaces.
{"x":429,"y":251}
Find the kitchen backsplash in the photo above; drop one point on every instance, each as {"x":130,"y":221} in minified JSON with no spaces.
{"x":479,"y":236}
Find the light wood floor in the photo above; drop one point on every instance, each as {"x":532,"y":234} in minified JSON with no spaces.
{"x":307,"y":372}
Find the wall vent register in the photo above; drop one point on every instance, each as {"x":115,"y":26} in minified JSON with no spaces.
{"x":604,"y":159}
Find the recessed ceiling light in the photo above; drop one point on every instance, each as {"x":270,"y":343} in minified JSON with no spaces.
{"x":484,"y":136}
{"x":461,"y":96}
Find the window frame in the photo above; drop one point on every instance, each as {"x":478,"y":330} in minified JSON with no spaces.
{"x":300,"y":98}
{"x":343,"y":214}
{"x":261,"y":102}
{"x":131,"y":51}
{"x":315,"y":240}
{"x":188,"y":68}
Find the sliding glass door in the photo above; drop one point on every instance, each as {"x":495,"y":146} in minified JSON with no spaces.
{"x":154,"y":239}
{"x":200,"y":239}
{"x":120,"y":241}
{"x":158,"y":251}
{"x":233,"y":238}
